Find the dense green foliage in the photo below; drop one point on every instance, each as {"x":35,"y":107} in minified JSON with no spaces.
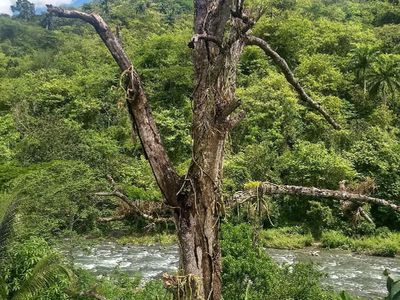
{"x":249,"y":273}
{"x":63,"y":119}
{"x":64,"y":128}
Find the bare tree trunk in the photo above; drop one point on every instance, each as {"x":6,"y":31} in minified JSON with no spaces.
{"x":213,"y":98}
{"x":198,"y":218}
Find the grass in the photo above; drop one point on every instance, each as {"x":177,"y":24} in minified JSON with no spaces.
{"x":148,"y":239}
{"x":380,"y":244}
{"x":285,"y":238}
{"x":4,"y":203}
{"x":387,"y":244}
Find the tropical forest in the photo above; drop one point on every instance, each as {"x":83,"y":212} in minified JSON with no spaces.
{"x":199,"y":150}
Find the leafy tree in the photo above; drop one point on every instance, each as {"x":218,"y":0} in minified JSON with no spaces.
{"x":361,"y":60}
{"x":249,"y":273}
{"x":384,"y":79}
{"x":390,"y":36}
{"x":25,"y":10}
{"x":57,"y":197}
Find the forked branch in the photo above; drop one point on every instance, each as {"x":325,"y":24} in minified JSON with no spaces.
{"x":132,"y":209}
{"x":130,"y":205}
{"x":276,"y":189}
{"x":282,"y":64}
{"x":138,"y":106}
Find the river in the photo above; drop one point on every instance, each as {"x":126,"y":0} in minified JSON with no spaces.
{"x":359,"y":274}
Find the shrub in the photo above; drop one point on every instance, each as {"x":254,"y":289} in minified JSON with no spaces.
{"x":318,"y":217}
{"x":285,"y":238}
{"x":383,"y":244}
{"x":33,"y":270}
{"x":334,"y":239}
{"x":249,"y":273}
{"x":117,"y":286}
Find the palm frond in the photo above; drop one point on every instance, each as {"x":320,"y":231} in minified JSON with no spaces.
{"x":46,"y":273}
{"x":6,"y":227}
{"x":3,"y":289}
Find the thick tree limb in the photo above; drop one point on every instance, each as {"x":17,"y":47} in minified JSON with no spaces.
{"x":276,"y":189}
{"x":138,"y":106}
{"x":125,"y":216}
{"x":117,"y":194}
{"x":132,"y":206}
{"x":236,"y":119}
{"x":101,"y":27}
{"x":205,"y":37}
{"x":282,"y":64}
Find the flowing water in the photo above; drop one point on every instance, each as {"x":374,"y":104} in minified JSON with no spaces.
{"x":359,"y":274}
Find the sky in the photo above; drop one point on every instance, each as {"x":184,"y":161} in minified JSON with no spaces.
{"x":39,"y":4}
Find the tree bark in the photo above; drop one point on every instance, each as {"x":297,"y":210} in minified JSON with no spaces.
{"x":276,"y":189}
{"x":214,"y":103}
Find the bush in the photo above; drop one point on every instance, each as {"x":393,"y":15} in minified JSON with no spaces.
{"x":118,"y":286}
{"x":57,"y":199}
{"x":382,"y":244}
{"x":29,"y":273}
{"x":249,"y":273}
{"x":318,"y":217}
{"x":285,"y":238}
{"x":334,"y":239}
{"x":33,"y":270}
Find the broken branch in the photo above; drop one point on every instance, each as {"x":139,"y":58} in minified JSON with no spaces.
{"x":282,"y":64}
{"x":206,"y":37}
{"x":133,"y":207}
{"x":276,"y":189}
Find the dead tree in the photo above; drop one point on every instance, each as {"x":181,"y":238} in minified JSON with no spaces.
{"x":221,"y":31}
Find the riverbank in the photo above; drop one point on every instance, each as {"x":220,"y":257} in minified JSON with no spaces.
{"x":163,"y":239}
{"x":385,"y":244}
{"x":357,"y":274}
{"x":382,"y":244}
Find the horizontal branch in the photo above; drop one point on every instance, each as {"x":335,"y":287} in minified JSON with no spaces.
{"x":206,"y":37}
{"x":125,"y":216}
{"x":282,"y":64}
{"x":117,"y":194}
{"x":111,"y":219}
{"x":276,"y":189}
